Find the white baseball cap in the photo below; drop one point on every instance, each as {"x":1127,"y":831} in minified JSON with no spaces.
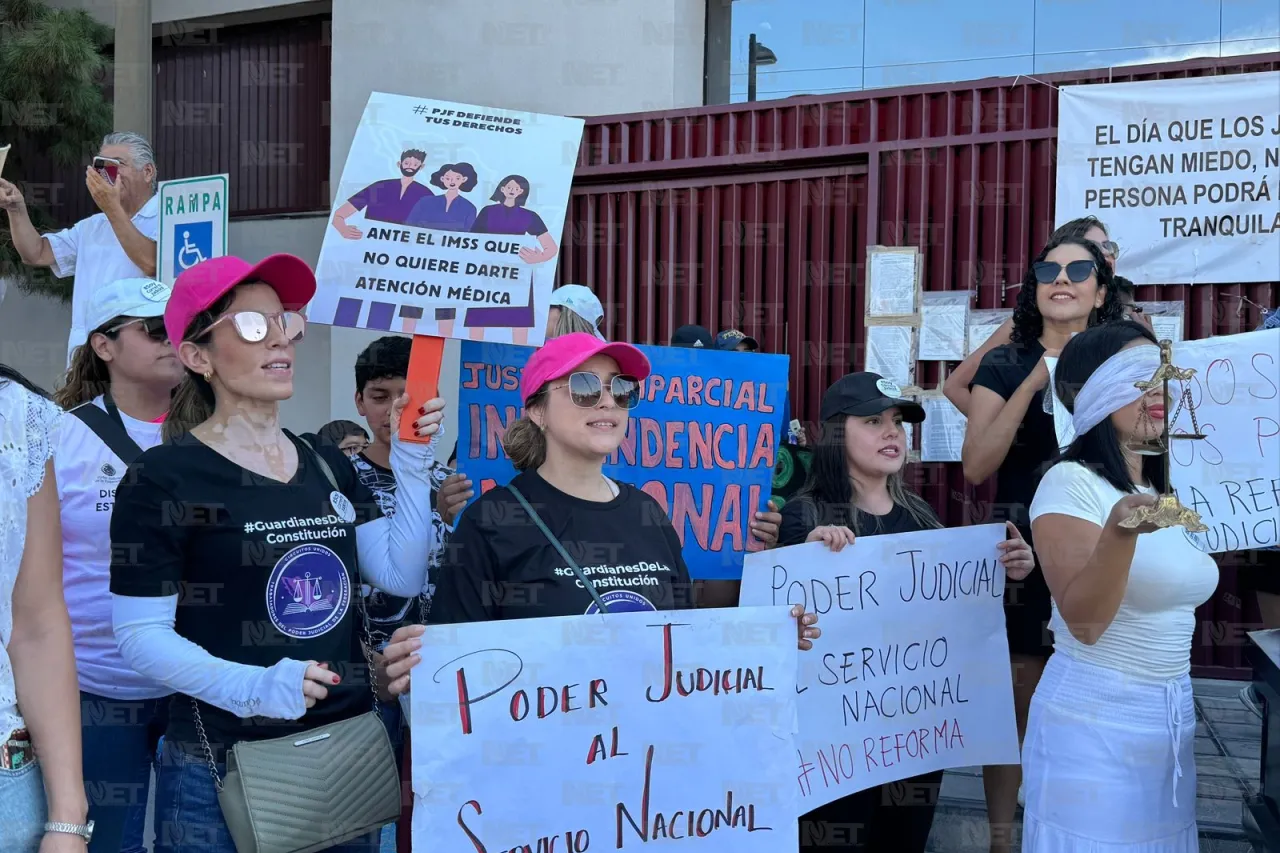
{"x":581,"y":301}
{"x":127,"y":297}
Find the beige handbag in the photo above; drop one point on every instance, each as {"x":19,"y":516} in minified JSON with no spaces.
{"x":315,"y":789}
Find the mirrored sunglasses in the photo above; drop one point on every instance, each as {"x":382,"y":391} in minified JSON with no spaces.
{"x":585,"y":390}
{"x":252,"y":326}
{"x":1077,"y":271}
{"x":152,"y":327}
{"x":1110,"y":247}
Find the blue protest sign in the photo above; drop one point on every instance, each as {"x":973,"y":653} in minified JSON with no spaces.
{"x":702,"y":442}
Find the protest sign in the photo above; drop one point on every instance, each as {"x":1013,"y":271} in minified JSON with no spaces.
{"x":1186,"y":174}
{"x":607,"y":732}
{"x":911,"y":673}
{"x":447,"y":221}
{"x":1232,"y":476}
{"x":703,"y":441}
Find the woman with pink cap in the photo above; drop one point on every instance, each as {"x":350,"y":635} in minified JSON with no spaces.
{"x":236,"y":552}
{"x":507,"y":559}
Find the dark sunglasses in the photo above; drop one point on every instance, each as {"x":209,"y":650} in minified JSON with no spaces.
{"x":253,"y":326}
{"x":585,"y":389}
{"x":1077,"y":271}
{"x":153,"y":327}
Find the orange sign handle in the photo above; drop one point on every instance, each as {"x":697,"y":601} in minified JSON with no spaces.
{"x":422,"y":383}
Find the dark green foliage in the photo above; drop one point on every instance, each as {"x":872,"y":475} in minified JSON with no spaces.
{"x":52,"y":65}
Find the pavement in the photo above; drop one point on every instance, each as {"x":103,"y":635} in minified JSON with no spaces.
{"x":1228,"y":757}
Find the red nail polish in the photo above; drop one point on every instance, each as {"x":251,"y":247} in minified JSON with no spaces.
{"x":336,"y":679}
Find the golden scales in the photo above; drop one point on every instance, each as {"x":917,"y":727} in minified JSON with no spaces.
{"x":1167,"y":511}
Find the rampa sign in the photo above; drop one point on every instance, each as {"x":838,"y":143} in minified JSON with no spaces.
{"x":193,"y":224}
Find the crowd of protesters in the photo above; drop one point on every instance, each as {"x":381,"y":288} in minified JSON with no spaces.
{"x":143,"y":538}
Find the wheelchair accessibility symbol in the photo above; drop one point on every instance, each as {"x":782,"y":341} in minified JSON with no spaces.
{"x":193,"y":243}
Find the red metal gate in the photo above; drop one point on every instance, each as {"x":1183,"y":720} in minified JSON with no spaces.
{"x":757,"y":216}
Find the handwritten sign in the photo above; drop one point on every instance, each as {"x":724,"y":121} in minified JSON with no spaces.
{"x":911,"y":673}
{"x":1232,"y":476}
{"x":447,"y":221}
{"x":703,"y":441}
{"x":606,"y":733}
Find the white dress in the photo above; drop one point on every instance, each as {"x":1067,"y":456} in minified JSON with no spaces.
{"x":1108,"y":761}
{"x":27,"y":424}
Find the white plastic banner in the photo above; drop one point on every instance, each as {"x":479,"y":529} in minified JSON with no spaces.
{"x":911,"y":673}
{"x":607,"y":732}
{"x":1231,"y":476}
{"x":1185,"y":173}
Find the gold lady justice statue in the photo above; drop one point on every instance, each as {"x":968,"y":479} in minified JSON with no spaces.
{"x":1167,"y":511}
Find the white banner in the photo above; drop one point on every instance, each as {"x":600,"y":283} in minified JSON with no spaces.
{"x":1232,"y":476}
{"x":911,"y":673}
{"x":1185,"y":173}
{"x":607,"y":732}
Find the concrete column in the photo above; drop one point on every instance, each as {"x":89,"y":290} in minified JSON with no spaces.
{"x":134,"y":71}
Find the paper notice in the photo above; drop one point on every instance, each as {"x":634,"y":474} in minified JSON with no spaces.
{"x":889,"y":353}
{"x":4,"y":153}
{"x":942,"y":332}
{"x":942,"y":433}
{"x":891,"y":281}
{"x":982,"y":325}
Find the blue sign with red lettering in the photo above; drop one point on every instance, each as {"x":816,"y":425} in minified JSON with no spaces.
{"x":702,"y":442}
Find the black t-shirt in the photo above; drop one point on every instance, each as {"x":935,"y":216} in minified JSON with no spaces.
{"x":1036,"y":442}
{"x":499,"y":565}
{"x":801,"y":515}
{"x":264,"y":570}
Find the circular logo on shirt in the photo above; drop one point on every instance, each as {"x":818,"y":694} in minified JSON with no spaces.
{"x":887,"y":388}
{"x":108,"y":470}
{"x":342,"y":506}
{"x":621,"y":601}
{"x":1199,"y":540}
{"x":308,"y":592}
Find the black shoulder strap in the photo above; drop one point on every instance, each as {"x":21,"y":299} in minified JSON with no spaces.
{"x":564,"y":555}
{"x":110,"y":430}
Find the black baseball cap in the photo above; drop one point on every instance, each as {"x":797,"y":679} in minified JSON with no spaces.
{"x":693,"y":336}
{"x":866,"y":394}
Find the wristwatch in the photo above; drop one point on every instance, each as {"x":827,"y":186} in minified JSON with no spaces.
{"x":85,"y":831}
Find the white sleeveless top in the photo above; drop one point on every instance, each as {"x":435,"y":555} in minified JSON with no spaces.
{"x":27,"y":433}
{"x":1169,"y":578}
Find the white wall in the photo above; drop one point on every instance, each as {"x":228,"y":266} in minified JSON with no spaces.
{"x":33,"y":335}
{"x":566,"y":57}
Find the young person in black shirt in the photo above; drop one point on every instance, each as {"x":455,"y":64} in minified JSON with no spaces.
{"x":1011,"y":434}
{"x":236,"y":561}
{"x":578,"y":391}
{"x":855,"y":489}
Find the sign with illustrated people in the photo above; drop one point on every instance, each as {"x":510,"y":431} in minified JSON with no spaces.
{"x":702,"y":441}
{"x":607,"y":733}
{"x":447,"y":221}
{"x":193,"y":214}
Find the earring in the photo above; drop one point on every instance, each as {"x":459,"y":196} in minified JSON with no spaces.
{"x":208,"y":376}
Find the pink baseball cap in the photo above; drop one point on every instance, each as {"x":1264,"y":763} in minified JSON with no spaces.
{"x":561,"y":356}
{"x":208,"y":281}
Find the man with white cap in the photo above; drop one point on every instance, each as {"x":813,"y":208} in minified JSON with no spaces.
{"x":118,"y":390}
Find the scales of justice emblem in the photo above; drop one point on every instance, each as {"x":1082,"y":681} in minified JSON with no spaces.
{"x":1167,"y":511}
{"x":308,"y":595}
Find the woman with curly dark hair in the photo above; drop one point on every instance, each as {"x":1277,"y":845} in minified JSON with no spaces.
{"x":1068,"y":288}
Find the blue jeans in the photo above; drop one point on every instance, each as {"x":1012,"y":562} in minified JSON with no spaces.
{"x":188,"y":817}
{"x":119,"y":740}
{"x":22,"y":809}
